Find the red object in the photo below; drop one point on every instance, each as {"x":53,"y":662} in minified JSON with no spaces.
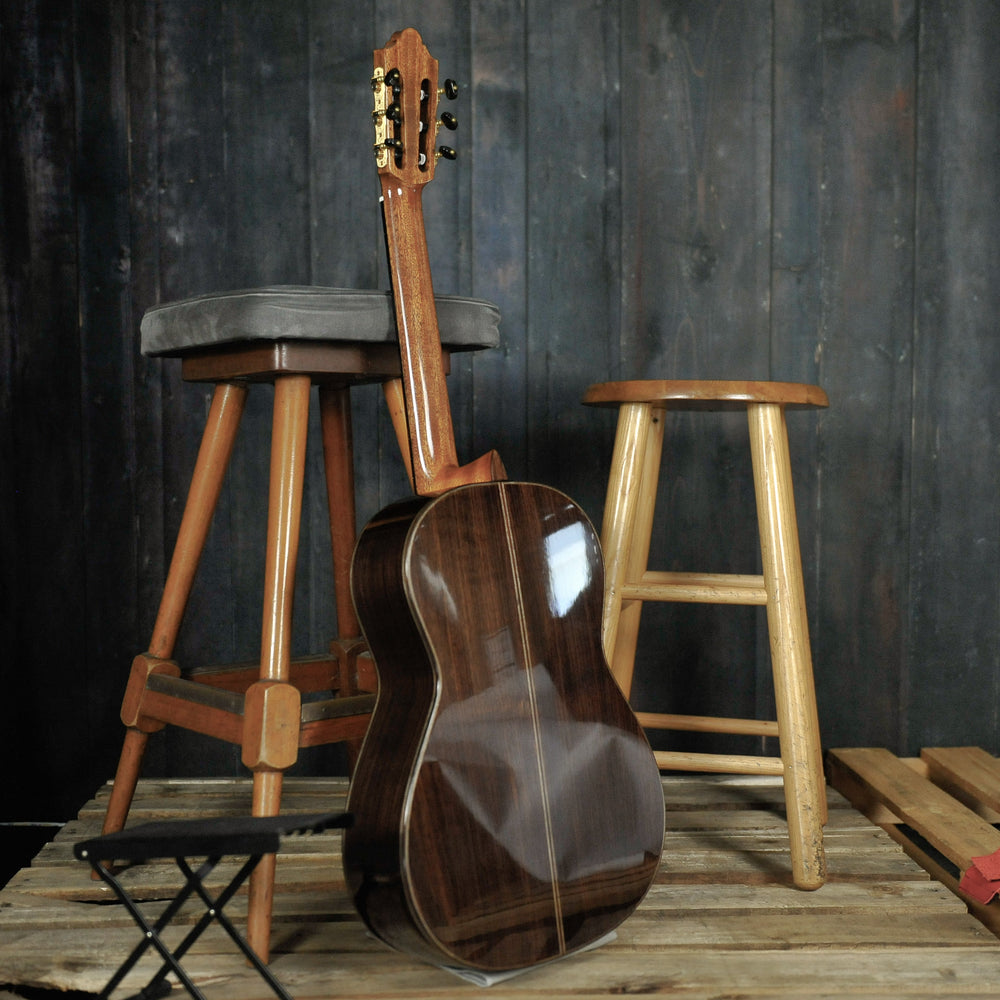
{"x":982,"y":880}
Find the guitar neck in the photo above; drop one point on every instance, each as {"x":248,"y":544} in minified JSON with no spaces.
{"x":404,"y":84}
{"x":428,"y":413}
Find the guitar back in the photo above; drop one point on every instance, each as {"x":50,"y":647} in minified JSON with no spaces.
{"x":519,"y":814}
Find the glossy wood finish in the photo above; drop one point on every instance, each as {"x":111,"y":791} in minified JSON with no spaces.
{"x":404,"y":170}
{"x":626,"y":533}
{"x":508,"y":806}
{"x":708,"y":394}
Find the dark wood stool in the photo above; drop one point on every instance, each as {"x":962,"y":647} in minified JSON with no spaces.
{"x":293,"y":338}
{"x":625,"y":538}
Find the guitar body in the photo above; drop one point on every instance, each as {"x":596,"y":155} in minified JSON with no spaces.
{"x":508,"y":810}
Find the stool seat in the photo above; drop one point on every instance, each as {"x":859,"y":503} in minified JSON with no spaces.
{"x":705,"y":394}
{"x":292,"y":312}
{"x":625,"y":538}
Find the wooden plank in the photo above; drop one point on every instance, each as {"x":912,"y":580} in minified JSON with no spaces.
{"x":970,"y":774}
{"x":955,"y":831}
{"x":796,"y":291}
{"x":696,"y":113}
{"x":193,"y":235}
{"x":497,"y":107}
{"x":867,"y":69}
{"x":883,"y":973}
{"x":955,"y":500}
{"x":572,"y":176}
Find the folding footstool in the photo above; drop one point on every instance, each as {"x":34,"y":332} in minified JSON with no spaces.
{"x":211,"y":839}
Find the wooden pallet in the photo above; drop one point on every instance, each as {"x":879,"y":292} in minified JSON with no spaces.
{"x":941,"y":807}
{"x":721,"y":920}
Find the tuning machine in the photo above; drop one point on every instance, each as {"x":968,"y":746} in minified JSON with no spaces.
{"x":386,"y":88}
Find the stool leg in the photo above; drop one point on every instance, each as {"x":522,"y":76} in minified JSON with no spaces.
{"x":338,"y":458}
{"x":274,"y":733}
{"x":260,"y":905}
{"x":635,"y":446}
{"x":623,"y":656}
{"x":395,"y":400}
{"x":795,"y":696}
{"x":216,"y":448}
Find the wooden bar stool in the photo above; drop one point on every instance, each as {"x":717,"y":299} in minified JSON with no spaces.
{"x":293,"y":338}
{"x":625,"y":537}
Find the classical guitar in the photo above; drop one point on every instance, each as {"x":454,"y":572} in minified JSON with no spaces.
{"x":508,"y":810}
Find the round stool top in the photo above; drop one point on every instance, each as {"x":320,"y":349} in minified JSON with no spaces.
{"x":288,"y":312}
{"x":705,"y":394}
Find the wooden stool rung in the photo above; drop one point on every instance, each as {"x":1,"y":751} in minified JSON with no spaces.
{"x":707,"y":724}
{"x":713,"y":763}
{"x":697,"y":588}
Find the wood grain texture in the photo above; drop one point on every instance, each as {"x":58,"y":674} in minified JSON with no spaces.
{"x":837,"y":160}
{"x":498,"y":727}
{"x":717,"y":920}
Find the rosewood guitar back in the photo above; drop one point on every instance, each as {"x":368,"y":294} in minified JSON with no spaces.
{"x":515,"y":812}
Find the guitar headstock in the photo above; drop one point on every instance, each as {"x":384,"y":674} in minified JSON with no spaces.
{"x":405,"y":85}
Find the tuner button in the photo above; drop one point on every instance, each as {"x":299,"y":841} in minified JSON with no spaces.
{"x":450,"y":89}
{"x":392,"y":112}
{"x":394,"y":79}
{"x":449,"y":121}
{"x":447,"y":153}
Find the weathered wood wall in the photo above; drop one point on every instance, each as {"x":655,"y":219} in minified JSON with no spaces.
{"x":799,"y":190}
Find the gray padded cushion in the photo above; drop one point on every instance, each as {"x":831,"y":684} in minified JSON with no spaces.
{"x":306,"y":313}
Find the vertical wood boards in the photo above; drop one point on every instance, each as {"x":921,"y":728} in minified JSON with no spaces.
{"x":867,"y":226}
{"x":493,"y":126}
{"x":954,"y":490}
{"x":44,"y":554}
{"x":573,"y":181}
{"x":648,"y":189}
{"x":696,"y":171}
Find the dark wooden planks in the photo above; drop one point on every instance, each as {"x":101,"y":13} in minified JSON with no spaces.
{"x":955,"y":482}
{"x":696,"y":116}
{"x":796,"y":268}
{"x":867,"y":225}
{"x":573,"y":180}
{"x":53,"y":416}
{"x":867,"y":131}
{"x":493,"y":132}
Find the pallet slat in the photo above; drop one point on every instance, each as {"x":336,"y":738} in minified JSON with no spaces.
{"x":954,"y":830}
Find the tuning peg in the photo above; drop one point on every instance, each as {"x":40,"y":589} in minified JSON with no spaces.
{"x":450,"y":89}
{"x":394,"y":79}
{"x":446,"y":153}
{"x":449,"y":121}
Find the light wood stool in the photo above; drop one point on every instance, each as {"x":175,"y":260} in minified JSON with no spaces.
{"x":625,"y":537}
{"x":294,"y":338}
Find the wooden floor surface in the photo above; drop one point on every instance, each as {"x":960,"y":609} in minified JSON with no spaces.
{"x":721,"y":921}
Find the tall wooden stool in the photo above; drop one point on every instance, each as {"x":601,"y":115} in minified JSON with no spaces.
{"x":625,"y":537}
{"x":293,"y":338}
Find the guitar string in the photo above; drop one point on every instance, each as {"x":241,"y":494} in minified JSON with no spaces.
{"x":536,"y":725}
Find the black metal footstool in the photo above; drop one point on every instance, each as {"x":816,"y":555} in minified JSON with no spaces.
{"x":181,"y":840}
